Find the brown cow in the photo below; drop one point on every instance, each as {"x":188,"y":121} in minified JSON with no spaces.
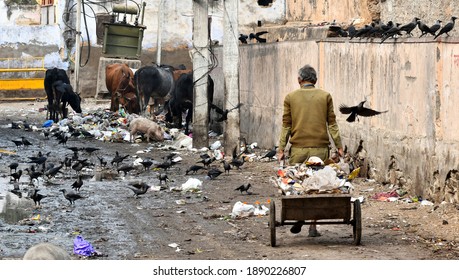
{"x":119,"y":81}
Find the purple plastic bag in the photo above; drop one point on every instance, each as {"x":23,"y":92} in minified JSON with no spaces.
{"x":82,"y":247}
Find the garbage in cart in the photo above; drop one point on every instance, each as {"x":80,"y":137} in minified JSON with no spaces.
{"x":313,"y":177}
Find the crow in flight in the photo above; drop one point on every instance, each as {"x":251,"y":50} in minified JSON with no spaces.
{"x":358,"y":110}
{"x":257,"y":37}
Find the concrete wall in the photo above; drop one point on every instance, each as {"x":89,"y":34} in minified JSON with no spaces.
{"x":313,"y":11}
{"x":415,"y":79}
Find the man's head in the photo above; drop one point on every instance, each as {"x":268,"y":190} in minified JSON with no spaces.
{"x":307,"y":74}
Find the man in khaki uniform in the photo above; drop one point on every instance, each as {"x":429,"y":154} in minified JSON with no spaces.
{"x":307,"y":121}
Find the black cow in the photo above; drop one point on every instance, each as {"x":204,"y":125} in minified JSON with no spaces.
{"x":52,"y":75}
{"x":181,"y":100}
{"x":63,"y":94}
{"x":153,"y":81}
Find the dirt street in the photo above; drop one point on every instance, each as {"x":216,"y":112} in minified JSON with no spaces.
{"x":166,"y":223}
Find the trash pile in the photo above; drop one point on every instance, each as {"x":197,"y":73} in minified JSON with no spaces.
{"x":313,"y":177}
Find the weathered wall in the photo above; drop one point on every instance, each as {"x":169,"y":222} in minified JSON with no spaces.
{"x":415,"y":79}
{"x":313,"y":11}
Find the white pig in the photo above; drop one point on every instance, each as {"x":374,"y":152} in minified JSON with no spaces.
{"x":146,"y":126}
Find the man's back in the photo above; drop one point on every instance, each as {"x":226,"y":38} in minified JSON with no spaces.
{"x":308,"y":116}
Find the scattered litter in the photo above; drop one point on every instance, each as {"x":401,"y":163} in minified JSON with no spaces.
{"x":426,"y":203}
{"x":241,"y":209}
{"x":48,"y":123}
{"x":155,"y":188}
{"x":386,"y":196}
{"x":192,"y":185}
{"x":180,"y":201}
{"x":176,"y":246}
{"x":82,"y":247}
{"x":216,"y":145}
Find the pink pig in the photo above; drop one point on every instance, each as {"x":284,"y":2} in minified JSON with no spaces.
{"x":148,"y":127}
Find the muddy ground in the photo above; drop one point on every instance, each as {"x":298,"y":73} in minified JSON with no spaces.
{"x":168,"y":224}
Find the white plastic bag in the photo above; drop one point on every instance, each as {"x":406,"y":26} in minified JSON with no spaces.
{"x":242,"y":210}
{"x":192,"y":185}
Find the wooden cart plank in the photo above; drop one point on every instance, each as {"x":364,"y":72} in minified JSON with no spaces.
{"x":316,"y":207}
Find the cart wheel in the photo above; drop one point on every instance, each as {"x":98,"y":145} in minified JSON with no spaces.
{"x":357,"y":223}
{"x":272,"y":222}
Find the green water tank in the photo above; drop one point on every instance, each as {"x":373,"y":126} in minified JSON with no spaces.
{"x":123,"y":40}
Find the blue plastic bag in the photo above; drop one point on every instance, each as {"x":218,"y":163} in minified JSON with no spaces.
{"x":82,"y":247}
{"x":48,"y":123}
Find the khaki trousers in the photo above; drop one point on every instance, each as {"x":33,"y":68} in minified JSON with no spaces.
{"x":301,"y":155}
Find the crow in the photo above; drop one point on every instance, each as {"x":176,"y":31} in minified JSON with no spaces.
{"x":236,"y":162}
{"x":74,"y":149}
{"x":78,"y":183}
{"x":351,"y":30}
{"x":164,"y":165}
{"x":33,"y":174}
{"x":213,"y":173}
{"x":194,"y":169}
{"x":18,"y":143}
{"x":16,"y":175}
{"x":25,"y":142}
{"x":244,"y":188}
{"x":54,"y":170}
{"x":362,"y":31}
{"x":270,"y":155}
{"x":257,"y":37}
{"x":14,"y":166}
{"x":446,"y":28}
{"x":424,"y":29}
{"x":243,"y":38}
{"x":395,"y":30}
{"x":163,"y":177}
{"x":409,"y":27}
{"x":63,"y":140}
{"x":38,"y":160}
{"x":67,"y":162}
{"x":338,"y":30}
{"x":206,"y":161}
{"x":15,"y":125}
{"x":358,"y":110}
{"x":118,"y":159}
{"x":146,"y":164}
{"x":71,"y":196}
{"x":226,"y":166}
{"x":434,"y":28}
{"x":102,"y":161}
{"x":36,"y":197}
{"x":138,"y":188}
{"x":224,"y":113}
{"x":90,"y":150}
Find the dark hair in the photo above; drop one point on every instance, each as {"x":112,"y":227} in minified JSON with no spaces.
{"x":308,"y":74}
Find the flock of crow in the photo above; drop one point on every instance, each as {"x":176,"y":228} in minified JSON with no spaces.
{"x":391,"y":29}
{"x":81,"y":162}
{"x":376,"y":29}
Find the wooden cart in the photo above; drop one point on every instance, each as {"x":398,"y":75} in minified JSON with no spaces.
{"x":323,"y":208}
